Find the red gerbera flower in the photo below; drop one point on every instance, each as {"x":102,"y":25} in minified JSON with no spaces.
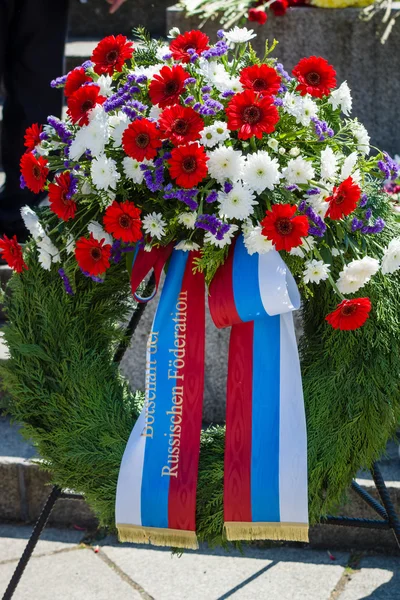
{"x":257,"y":15}
{"x":111,"y":53}
{"x":344,"y":199}
{"x":32,"y":136}
{"x":251,"y":114}
{"x":180,"y":124}
{"x":92,"y":256}
{"x":12,"y":253}
{"x":82,"y":101}
{"x":283,"y":228}
{"x":76,"y":79}
{"x":195,"y":40}
{"x":123,"y":221}
{"x":350,"y":314}
{"x":315,"y":75}
{"x":261,"y":78}
{"x":279,"y":7}
{"x":188,"y":165}
{"x":60,"y":204}
{"x":34,"y":171}
{"x":166,"y":87}
{"x":141,"y":140}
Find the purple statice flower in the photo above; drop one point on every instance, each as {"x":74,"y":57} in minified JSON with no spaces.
{"x":322,"y":129}
{"x":197,"y":106}
{"x":88,"y":154}
{"x":43,"y":136}
{"x":66,"y":282}
{"x":129,"y":112}
{"x":227,"y":187}
{"x":190,"y":80}
{"x":189,"y":100}
{"x":66,"y":164}
{"x":368,"y":214}
{"x":87,"y":64}
{"x":228,"y":93}
{"x":183,"y":195}
{"x":73,"y":186}
{"x":212,"y":224}
{"x":167,"y":56}
{"x":77,"y":167}
{"x":281,"y":71}
{"x":319,"y":227}
{"x":59,"y":81}
{"x":364,"y":200}
{"x":278,"y":102}
{"x":389,"y":167}
{"x":60,"y":128}
{"x":302,"y":206}
{"x":206,"y":97}
{"x":377,"y":227}
{"x":22,"y":182}
{"x":356,"y":224}
{"x":220,"y":48}
{"x":282,"y":89}
{"x":212,"y":197}
{"x":215,"y":105}
{"x":330,"y":132}
{"x":92,"y":277}
{"x":313,"y":191}
{"x":116,"y":251}
{"x":141,"y":78}
{"x":154,"y":176}
{"x":292,"y":188}
{"x":220,"y":34}
{"x":113,"y":103}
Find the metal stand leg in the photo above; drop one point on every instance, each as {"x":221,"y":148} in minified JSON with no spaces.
{"x":392,"y":517}
{"x":33,"y":540}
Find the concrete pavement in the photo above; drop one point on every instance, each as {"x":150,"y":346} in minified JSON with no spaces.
{"x":64,"y":568}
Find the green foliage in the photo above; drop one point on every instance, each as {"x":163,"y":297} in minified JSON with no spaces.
{"x":210,"y":260}
{"x":79,"y":410}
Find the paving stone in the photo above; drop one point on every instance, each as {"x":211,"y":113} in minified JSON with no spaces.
{"x":71,"y":575}
{"x":11,"y":441}
{"x":378,"y":579}
{"x":13,"y":539}
{"x":278,"y":573}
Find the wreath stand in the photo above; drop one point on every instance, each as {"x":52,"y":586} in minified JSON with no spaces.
{"x":386,"y":511}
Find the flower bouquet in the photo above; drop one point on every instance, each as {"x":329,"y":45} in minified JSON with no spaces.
{"x":232,"y":172}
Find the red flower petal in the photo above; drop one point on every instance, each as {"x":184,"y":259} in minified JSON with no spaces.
{"x":141,"y":139}
{"x":350,"y":314}
{"x":63,"y":207}
{"x":123,"y":221}
{"x":315,"y":76}
{"x":12,"y":253}
{"x":180,"y":124}
{"x":195,"y":40}
{"x":111,"y":53}
{"x":34,"y":171}
{"x":279,"y":7}
{"x":251,"y":114}
{"x":283,"y":228}
{"x":76,"y":79}
{"x":92,"y":256}
{"x":261,"y":78}
{"x":188,"y":165}
{"x":344,"y":199}
{"x":166,"y":87}
{"x":32,"y":136}
{"x":81,"y":103}
{"x":257,"y":15}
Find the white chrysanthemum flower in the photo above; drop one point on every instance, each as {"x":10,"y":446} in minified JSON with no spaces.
{"x":162,"y":51}
{"x":356,"y":274}
{"x":118,"y":124}
{"x":226,"y":82}
{"x":307,"y":109}
{"x":155,"y":113}
{"x":226,"y":240}
{"x":261,"y":171}
{"x":294,"y":151}
{"x":97,"y":113}
{"x":273,"y":144}
{"x":335,"y":252}
{"x":32,"y":223}
{"x":187,"y":246}
{"x":341,"y":98}
{"x":225,"y":163}
{"x":149,"y":71}
{"x":104,"y":173}
{"x":154,"y":224}
{"x":99,"y":234}
{"x":315,"y":271}
{"x":132,"y":169}
{"x":282,"y":150}
{"x":239,"y":35}
{"x":391,"y":257}
{"x":91,"y":137}
{"x":255,"y":241}
{"x":78,"y":145}
{"x":211,"y":71}
{"x":174,"y":32}
{"x":48,"y":253}
{"x":299,"y":170}
{"x":105,"y":84}
{"x":361,"y":136}
{"x":348,"y":165}
{"x":214,"y":134}
{"x":328,"y":163}
{"x":291,"y":104}
{"x":188,"y":219}
{"x":319,"y":205}
{"x":307,"y":245}
{"x":86,"y":188}
{"x":238,"y":203}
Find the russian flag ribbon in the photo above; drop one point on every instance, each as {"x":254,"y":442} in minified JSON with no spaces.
{"x":156,"y":490}
{"x":265,"y":471}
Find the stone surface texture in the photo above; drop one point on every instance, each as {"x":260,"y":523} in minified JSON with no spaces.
{"x":351,"y":45}
{"x":377,"y":579}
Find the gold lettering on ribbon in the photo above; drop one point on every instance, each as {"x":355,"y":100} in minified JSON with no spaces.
{"x":176,"y":365}
{"x":151,"y":385}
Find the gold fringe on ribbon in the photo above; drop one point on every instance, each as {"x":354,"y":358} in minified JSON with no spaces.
{"x":291,"y":532}
{"x":176,"y":538}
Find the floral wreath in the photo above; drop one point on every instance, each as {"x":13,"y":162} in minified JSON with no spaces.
{"x":194,"y":143}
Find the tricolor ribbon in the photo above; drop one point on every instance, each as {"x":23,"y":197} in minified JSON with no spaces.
{"x":265,"y":483}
